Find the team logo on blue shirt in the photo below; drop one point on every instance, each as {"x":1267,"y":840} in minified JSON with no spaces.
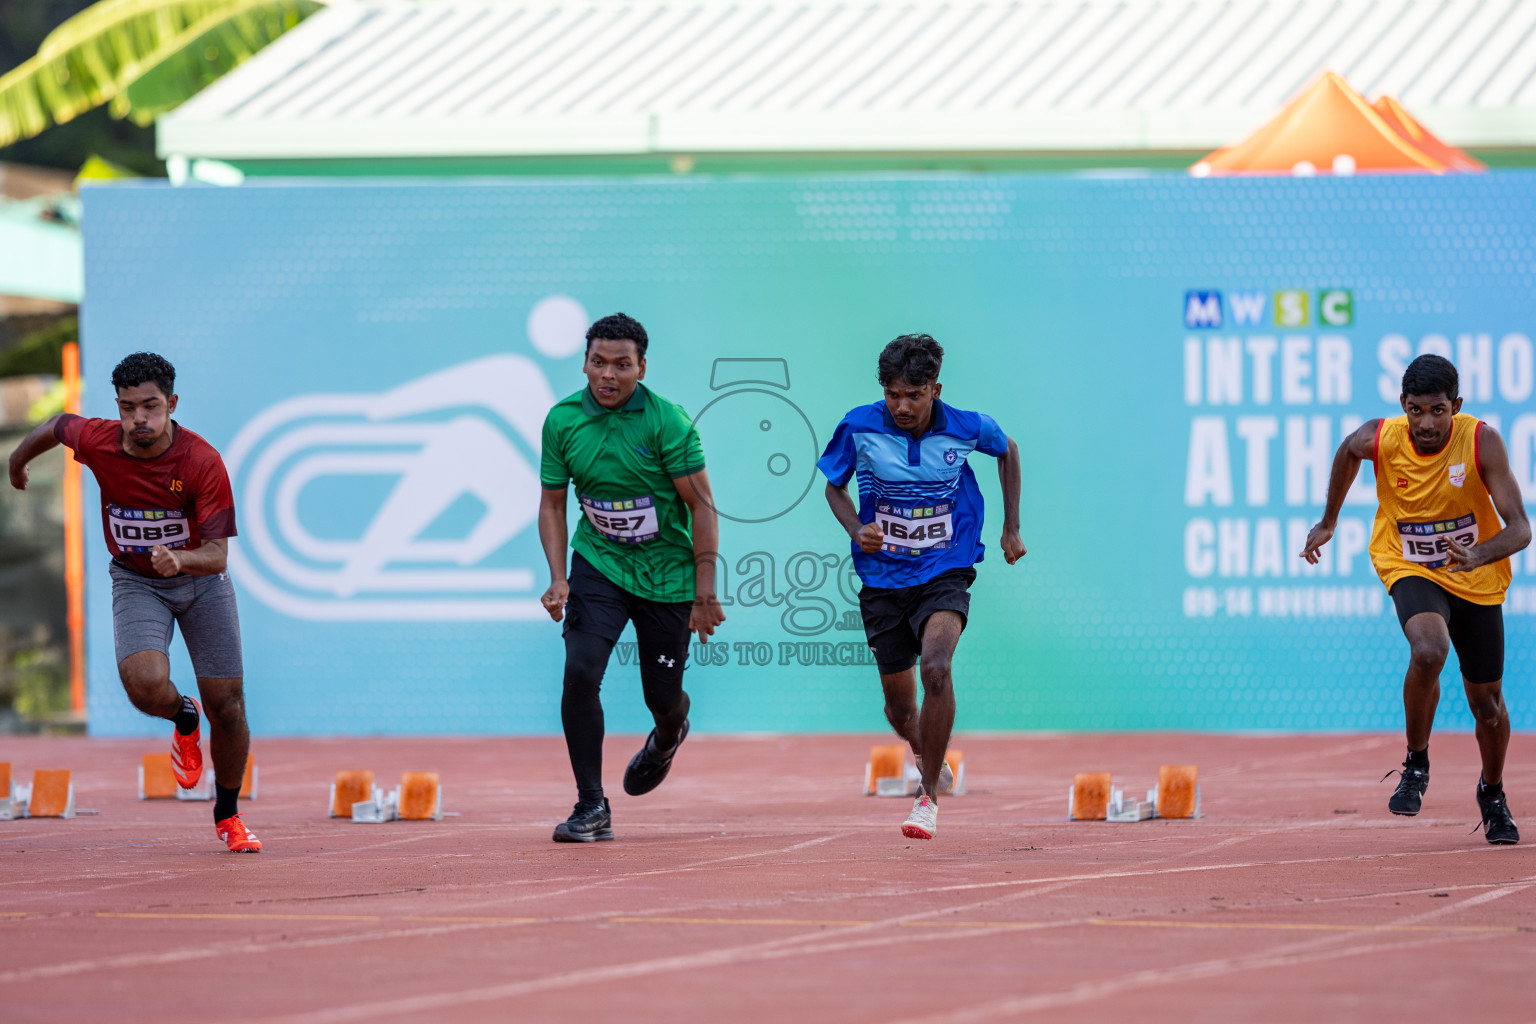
{"x":950,"y":457}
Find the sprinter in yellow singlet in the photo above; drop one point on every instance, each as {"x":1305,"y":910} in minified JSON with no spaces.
{"x":1444,"y":556}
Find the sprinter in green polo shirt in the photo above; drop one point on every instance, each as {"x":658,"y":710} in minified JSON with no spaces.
{"x":644,"y":553}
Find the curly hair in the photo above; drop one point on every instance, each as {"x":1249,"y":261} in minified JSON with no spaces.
{"x":1431,"y":375}
{"x":145,"y":368}
{"x":914,"y":358}
{"x":619,"y":327}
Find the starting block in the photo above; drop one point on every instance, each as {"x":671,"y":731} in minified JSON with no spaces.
{"x":51,"y":795}
{"x":156,"y":779}
{"x":1177,"y":795}
{"x":419,"y":797}
{"x":1089,"y":799}
{"x":885,"y":770}
{"x":1121,"y":809}
{"x":889,"y":773}
{"x":351,"y":788}
{"x":1178,"y":791}
{"x":158,"y":782}
{"x":7,"y":793}
{"x":250,"y":779}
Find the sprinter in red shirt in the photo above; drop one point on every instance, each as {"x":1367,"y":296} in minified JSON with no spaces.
{"x":168,"y":514}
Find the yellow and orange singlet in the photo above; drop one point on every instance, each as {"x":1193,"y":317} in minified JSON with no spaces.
{"x":1423,"y":499}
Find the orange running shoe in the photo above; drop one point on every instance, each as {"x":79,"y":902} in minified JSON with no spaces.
{"x":232,"y":831}
{"x":187,"y":752}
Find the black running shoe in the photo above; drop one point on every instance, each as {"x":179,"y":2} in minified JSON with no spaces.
{"x":1498,"y":826}
{"x":648,"y":768}
{"x":588,"y":823}
{"x":1409,"y":795}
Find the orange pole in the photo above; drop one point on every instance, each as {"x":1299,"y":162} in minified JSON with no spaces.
{"x":74,"y":540}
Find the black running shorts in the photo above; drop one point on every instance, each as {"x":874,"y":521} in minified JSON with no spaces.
{"x":894,"y":617}
{"x":596,"y":605}
{"x":1477,"y":630}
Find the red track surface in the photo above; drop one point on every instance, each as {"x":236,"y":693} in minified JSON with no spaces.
{"x":757,"y":885}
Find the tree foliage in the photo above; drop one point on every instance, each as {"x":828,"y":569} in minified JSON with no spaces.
{"x":143,"y":57}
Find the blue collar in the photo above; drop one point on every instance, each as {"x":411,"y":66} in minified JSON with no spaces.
{"x":940,"y":419}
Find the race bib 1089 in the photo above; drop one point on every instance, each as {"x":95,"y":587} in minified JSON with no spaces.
{"x":138,"y":530}
{"x":1425,"y":543}
{"x":912,"y":531}
{"x":627,"y":520}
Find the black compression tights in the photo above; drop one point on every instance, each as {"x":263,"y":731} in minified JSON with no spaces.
{"x":581,"y":709}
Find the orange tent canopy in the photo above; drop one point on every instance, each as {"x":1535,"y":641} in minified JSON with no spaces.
{"x":1404,"y":124}
{"x":1329,"y":127}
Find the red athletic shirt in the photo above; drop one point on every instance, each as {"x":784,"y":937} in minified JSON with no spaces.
{"x":178,"y":499}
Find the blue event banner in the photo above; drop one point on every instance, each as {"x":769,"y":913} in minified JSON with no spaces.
{"x":1177,"y":359}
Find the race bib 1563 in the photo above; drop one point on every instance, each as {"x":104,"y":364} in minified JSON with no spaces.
{"x":627,"y":520}
{"x":139,"y":530}
{"x":912,"y":531}
{"x":1424,"y":543}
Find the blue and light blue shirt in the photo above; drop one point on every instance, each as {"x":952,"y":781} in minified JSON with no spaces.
{"x":920,"y":490}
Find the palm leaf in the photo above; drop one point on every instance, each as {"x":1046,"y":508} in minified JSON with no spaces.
{"x":94,"y":56}
{"x":199,"y":56}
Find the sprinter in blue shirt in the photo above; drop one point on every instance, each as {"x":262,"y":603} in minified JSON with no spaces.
{"x":916,"y":536}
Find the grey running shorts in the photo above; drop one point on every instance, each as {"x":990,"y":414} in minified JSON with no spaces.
{"x":145,"y":613}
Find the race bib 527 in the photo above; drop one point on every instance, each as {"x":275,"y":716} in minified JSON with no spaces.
{"x":139,"y":530}
{"x":627,"y":520}
{"x":912,"y":531}
{"x":1425,"y":543}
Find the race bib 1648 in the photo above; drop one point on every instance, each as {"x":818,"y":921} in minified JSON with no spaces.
{"x":138,"y":530}
{"x":912,"y":531}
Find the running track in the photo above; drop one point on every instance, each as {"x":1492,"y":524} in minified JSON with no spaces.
{"x":758,"y":885}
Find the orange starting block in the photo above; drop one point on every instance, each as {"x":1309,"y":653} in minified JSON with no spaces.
{"x":156,"y":779}
{"x":956,"y":761}
{"x":7,"y":793}
{"x":350,"y":787}
{"x":1089,"y":799}
{"x":1094,"y":798}
{"x":52,"y":794}
{"x":887,"y":764}
{"x":1178,"y":791}
{"x":889,"y":773}
{"x":419,"y":797}
{"x":158,"y":782}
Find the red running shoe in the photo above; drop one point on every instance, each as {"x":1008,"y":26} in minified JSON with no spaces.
{"x":187,"y":752}
{"x":232,"y":830}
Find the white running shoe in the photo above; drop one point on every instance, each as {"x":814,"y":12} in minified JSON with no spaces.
{"x":923,"y":822}
{"x":946,"y":775}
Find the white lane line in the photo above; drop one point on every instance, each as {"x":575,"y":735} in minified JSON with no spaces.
{"x":1193,"y":869}
{"x":1326,"y":947}
{"x":811,"y":944}
{"x":1095,"y":990}
{"x":203,"y":952}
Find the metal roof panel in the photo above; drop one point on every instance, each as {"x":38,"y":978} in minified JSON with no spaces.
{"x":477,"y":77}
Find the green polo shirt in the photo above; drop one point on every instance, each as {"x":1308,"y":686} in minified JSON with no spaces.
{"x":634,"y":529}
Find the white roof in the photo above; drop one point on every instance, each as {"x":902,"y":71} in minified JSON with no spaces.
{"x":394,"y":78}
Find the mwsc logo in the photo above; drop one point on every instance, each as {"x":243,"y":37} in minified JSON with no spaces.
{"x":1205,"y":310}
{"x":463,"y":442}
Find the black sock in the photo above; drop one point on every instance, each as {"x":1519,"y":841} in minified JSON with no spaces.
{"x":186,"y":718}
{"x":1496,"y":789}
{"x":225,"y":802}
{"x":1418,"y":759}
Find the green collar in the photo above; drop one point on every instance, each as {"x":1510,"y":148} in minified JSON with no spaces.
{"x":592,"y":407}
